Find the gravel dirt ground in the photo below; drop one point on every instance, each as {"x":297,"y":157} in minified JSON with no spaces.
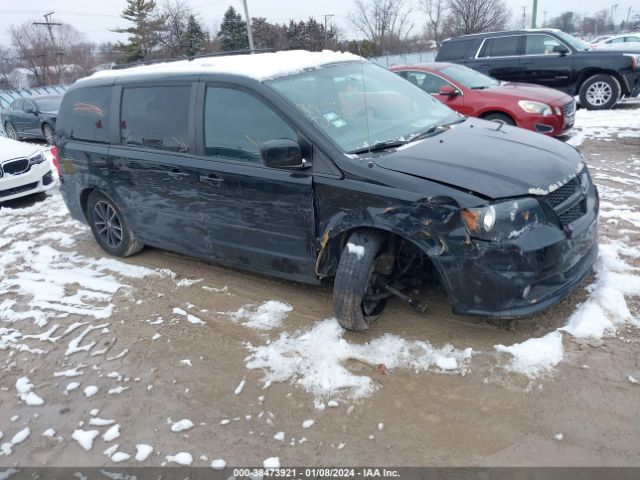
{"x":582,"y":412}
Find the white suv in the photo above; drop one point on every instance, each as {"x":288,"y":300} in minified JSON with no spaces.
{"x":24,"y":170}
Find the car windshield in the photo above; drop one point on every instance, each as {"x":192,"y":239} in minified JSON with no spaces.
{"x":49,"y":104}
{"x":359,"y":104}
{"x":573,"y":41}
{"x":469,"y":78}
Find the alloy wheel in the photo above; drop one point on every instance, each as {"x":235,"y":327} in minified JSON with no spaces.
{"x":599,"y":93}
{"x":107,"y":223}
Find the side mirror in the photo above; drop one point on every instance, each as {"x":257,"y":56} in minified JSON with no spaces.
{"x":561,"y":49}
{"x":30,"y":110}
{"x":448,"y":91}
{"x":282,"y":153}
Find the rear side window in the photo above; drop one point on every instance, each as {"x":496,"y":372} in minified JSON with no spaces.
{"x":454,"y":50}
{"x":236,"y":123}
{"x":500,"y":47}
{"x":156,"y":117}
{"x":84,"y":115}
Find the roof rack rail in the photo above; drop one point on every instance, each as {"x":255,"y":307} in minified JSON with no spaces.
{"x":192,"y":57}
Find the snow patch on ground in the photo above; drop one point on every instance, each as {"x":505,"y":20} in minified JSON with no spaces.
{"x":536,"y":355}
{"x":315,"y":359}
{"x":604,"y":124}
{"x":265,"y":317}
{"x":26,"y":394}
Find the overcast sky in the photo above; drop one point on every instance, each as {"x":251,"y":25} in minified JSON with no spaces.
{"x":95,"y":19}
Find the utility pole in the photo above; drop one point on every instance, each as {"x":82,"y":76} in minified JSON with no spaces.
{"x":326,"y":32}
{"x":48,"y":23}
{"x":248,"y":18}
{"x":524,"y":17}
{"x":534,"y":14}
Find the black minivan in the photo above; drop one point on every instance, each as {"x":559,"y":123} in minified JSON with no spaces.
{"x":309,"y":166}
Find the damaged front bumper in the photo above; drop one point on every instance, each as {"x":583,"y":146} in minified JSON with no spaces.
{"x":523,"y":276}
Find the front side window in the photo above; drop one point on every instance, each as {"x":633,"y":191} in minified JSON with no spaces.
{"x":359,"y":104}
{"x":427,"y":81}
{"x":470,"y":78}
{"x":500,"y":47}
{"x":17,"y":104}
{"x":156,"y":117}
{"x":84,"y":114}
{"x":541,"y":45}
{"x":51,"y":104}
{"x":237,"y":123}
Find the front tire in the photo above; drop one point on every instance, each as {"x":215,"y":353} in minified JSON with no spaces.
{"x":500,"y":118}
{"x":353,"y":281}
{"x":47,"y":133}
{"x":11,"y":131}
{"x":110,"y":228}
{"x":600,"y":92}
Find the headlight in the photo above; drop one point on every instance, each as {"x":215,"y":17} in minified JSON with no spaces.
{"x":535,"y":107}
{"x":505,"y":220}
{"x":36,"y":159}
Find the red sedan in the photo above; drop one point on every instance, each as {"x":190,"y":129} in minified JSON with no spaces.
{"x":472,"y":93}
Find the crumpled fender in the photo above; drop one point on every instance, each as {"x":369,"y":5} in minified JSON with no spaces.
{"x":432,"y":224}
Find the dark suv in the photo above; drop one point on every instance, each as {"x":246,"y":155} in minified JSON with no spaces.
{"x":308,"y":166}
{"x":550,"y":58}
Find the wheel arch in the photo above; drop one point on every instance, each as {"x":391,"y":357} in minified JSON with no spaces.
{"x":499,"y":110}
{"x":435,"y":230}
{"x":591,"y":72}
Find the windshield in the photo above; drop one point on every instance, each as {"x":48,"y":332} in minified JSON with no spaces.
{"x":576,"y":43}
{"x":360,"y":104}
{"x":48,"y":104}
{"x":469,"y":78}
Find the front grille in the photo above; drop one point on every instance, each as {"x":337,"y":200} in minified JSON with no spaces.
{"x":15,"y":167}
{"x":574,"y":213}
{"x":14,"y":191}
{"x":569,"y":108}
{"x":558,"y":196}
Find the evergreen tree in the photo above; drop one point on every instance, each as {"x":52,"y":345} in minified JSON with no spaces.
{"x":233,"y":31}
{"x":144,"y":33}
{"x":196,"y":38}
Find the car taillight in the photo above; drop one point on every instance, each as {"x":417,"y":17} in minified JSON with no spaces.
{"x":56,"y":161}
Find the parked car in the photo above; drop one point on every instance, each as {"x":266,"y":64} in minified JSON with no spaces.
{"x":619,"y":40}
{"x":24,"y":170}
{"x":311,"y":166}
{"x":550,"y":58}
{"x":469,"y":92}
{"x":32,"y":117}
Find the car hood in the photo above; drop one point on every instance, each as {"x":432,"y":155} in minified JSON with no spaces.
{"x":525,"y":91}
{"x":490,"y":159}
{"x":631,"y":47}
{"x":10,"y":149}
{"x":53,"y":113}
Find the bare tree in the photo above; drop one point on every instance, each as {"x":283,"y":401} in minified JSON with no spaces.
{"x":475,"y":16}
{"x":435,"y":10}
{"x":384,"y":22}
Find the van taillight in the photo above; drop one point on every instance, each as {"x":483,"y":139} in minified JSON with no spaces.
{"x":56,"y":161}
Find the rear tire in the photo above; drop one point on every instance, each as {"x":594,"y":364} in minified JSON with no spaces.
{"x":600,"y":92}
{"x":353,"y":278}
{"x":11,"y":131}
{"x":48,"y":134}
{"x":500,"y":118}
{"x":110,"y":228}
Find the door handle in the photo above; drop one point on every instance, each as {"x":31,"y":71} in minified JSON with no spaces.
{"x":212,"y":178}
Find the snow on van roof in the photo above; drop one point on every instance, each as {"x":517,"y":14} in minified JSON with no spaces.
{"x":260,"y":66}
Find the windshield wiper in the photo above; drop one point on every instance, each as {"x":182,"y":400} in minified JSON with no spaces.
{"x":436,"y":129}
{"x":377,"y":147}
